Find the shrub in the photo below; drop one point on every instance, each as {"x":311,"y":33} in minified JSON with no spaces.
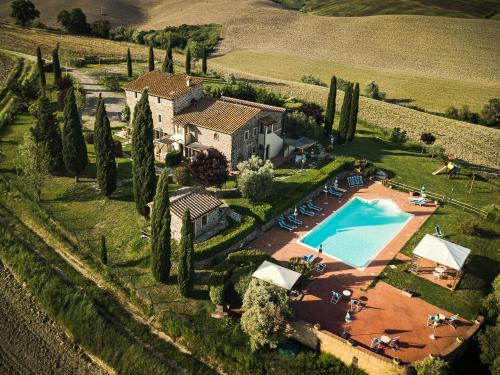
{"x":310,"y":79}
{"x":225,"y":239}
{"x":181,"y":175}
{"x":256,"y":178}
{"x":125,"y":113}
{"x":266,"y":309}
{"x":432,"y":366}
{"x":493,"y":213}
{"x":428,"y":138}
{"x":173,"y":158}
{"x":312,"y":110}
{"x":210,"y":168}
{"x":369,"y":170}
{"x":398,"y":136}
{"x":469,"y":228}
{"x":89,"y":137}
{"x":246,"y":91}
{"x":372,"y":90}
{"x":118,"y":148}
{"x":297,"y":264}
{"x":299,"y":124}
{"x":64,"y":83}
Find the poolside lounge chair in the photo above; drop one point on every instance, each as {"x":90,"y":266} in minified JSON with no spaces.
{"x":355,"y":305}
{"x":320,"y":267}
{"x":285,"y":226}
{"x":419,"y":202}
{"x":451,"y":320}
{"x":436,"y":275}
{"x":304,"y":211}
{"x":339,"y":189}
{"x":309,"y":258}
{"x":438,"y":232}
{"x":375,"y":345}
{"x":293,"y":219}
{"x":355,"y":181}
{"x":394,"y":343}
{"x":335,"y":297}
{"x":332,"y":191}
{"x":310,"y":204}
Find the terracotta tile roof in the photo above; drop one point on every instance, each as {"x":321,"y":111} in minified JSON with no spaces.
{"x":216,"y":115}
{"x":164,"y":85}
{"x":248,"y":103}
{"x":199,"y":203}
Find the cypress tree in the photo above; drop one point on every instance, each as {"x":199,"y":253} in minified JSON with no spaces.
{"x":104,"y":251}
{"x":344,"y":116}
{"x":129,"y":64}
{"x":170,"y":66}
{"x":330,"y":107}
{"x":39,"y":64}
{"x":185,"y":274}
{"x":160,"y":231}
{"x":151,"y":60}
{"x":353,"y":117}
{"x":204,"y":61}
{"x":56,"y":66}
{"x":47,"y":132}
{"x":188,"y":61}
{"x":143,"y":169}
{"x":74,"y":148}
{"x":104,"y":151}
{"x":169,"y":51}
{"x":165,"y":64}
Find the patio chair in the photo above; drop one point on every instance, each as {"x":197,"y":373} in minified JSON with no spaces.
{"x":310,"y":204}
{"x":332,"y":191}
{"x":375,"y":345}
{"x":320,"y":267}
{"x":293,"y":219}
{"x":339,"y":189}
{"x":350,"y":181}
{"x":436,"y":275}
{"x":394,"y":343}
{"x":355,"y":305}
{"x":420,"y":202}
{"x":359,"y":180}
{"x":335,"y":297}
{"x":304,"y":211}
{"x":438,"y":232}
{"x":451,"y":321}
{"x":413,"y":268}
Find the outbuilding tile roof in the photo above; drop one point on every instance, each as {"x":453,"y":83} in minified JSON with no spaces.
{"x":199,"y":203}
{"x":216,"y":115}
{"x":164,"y":85}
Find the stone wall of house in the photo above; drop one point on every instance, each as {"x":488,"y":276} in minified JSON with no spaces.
{"x":212,"y":138}
{"x":214,"y":218}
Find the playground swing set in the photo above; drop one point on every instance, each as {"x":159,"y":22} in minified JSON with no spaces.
{"x":451,"y":168}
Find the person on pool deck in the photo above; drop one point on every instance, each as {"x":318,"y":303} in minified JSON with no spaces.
{"x":320,"y":248}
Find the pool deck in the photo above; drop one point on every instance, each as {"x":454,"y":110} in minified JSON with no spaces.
{"x":386,"y":310}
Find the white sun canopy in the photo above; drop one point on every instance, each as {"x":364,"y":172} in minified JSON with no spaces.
{"x":441,"y":251}
{"x":277,"y":275}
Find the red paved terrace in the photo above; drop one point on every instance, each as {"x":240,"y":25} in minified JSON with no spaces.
{"x":386,"y":310}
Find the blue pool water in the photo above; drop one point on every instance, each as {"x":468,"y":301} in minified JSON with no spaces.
{"x":358,"y":231}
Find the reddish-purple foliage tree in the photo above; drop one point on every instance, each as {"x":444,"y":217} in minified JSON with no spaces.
{"x":210,"y":168}
{"x":312,"y":110}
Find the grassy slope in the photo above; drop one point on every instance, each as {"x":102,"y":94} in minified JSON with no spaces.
{"x":7,"y":63}
{"x":447,"y":8}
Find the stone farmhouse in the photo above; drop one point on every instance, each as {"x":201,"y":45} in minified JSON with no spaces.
{"x":184,"y":119}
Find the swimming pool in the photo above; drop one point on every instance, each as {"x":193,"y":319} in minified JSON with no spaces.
{"x":358,"y":231}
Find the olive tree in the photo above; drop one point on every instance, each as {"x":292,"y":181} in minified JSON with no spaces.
{"x":266,"y":309}
{"x":432,"y":366}
{"x":256,"y":177}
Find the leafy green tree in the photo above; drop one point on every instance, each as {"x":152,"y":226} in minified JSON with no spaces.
{"x":330,"y":107}
{"x":372,"y":90}
{"x":104,"y":151}
{"x":143,"y":168}
{"x":47,"y":134}
{"x":101,"y":29}
{"x":490,"y":115}
{"x":160,"y":231}
{"x":489,"y":338}
{"x":151,"y":59}
{"x":353,"y":116}
{"x":188,"y":61}
{"x":104,"y":251}
{"x":345,"y":113}
{"x":23,"y":11}
{"x":129,"y":64}
{"x":40,"y":68}
{"x":74,"y":148}
{"x":204,"y":61}
{"x":256,"y":177}
{"x":185,"y":274}
{"x":432,"y":366}
{"x":32,"y":166}
{"x":56,"y":66}
{"x":74,"y":21}
{"x":266,"y":309}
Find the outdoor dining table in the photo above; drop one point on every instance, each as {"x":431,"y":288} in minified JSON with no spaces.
{"x":346,"y":293}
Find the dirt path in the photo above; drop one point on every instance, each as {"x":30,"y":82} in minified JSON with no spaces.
{"x":115,"y":101}
{"x":31,"y":343}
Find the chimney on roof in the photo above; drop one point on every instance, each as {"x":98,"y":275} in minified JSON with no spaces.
{"x":188,"y":81}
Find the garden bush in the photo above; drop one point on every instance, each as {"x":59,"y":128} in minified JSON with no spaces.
{"x":118,"y":148}
{"x":111,"y":81}
{"x":470,"y":228}
{"x":398,"y":136}
{"x":173,"y":158}
{"x":369,"y":170}
{"x":225,"y":239}
{"x":181,"y":175}
{"x":312,"y":80}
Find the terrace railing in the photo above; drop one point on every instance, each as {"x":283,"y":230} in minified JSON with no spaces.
{"x":439,"y":197}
